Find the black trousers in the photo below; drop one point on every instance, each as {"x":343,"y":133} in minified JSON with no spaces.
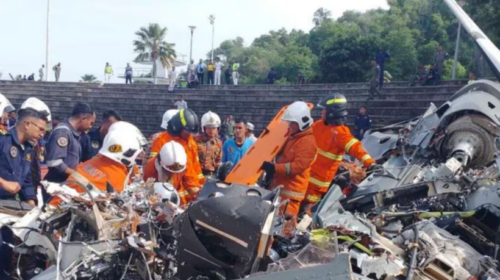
{"x":201,"y":77}
{"x":211,"y":77}
{"x":128,"y":79}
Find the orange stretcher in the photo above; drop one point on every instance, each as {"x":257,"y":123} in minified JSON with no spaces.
{"x":266,"y":148}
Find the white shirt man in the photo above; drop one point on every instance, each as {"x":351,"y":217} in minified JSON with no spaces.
{"x":181,"y":104}
{"x":218,"y":72}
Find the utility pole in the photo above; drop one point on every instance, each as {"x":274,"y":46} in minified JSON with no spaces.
{"x":191,"y":50}
{"x":457,"y":44}
{"x":457,"y":48}
{"x":212,"y":22}
{"x":47,"y":44}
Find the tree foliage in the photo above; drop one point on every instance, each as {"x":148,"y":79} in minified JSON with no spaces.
{"x":340,"y":50}
{"x":151,"y":46}
{"x":89,"y":78}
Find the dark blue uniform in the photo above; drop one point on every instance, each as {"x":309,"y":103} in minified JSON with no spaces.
{"x":95,"y":140}
{"x":63,"y":151}
{"x":363,"y":122}
{"x":15,"y":166}
{"x":87,"y":151}
{"x":380,"y":58}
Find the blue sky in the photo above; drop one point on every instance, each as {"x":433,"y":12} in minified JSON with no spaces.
{"x":85,"y":34}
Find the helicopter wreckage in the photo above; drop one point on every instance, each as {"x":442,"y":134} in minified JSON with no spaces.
{"x":430,"y":211}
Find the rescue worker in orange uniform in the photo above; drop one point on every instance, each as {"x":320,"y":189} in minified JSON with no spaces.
{"x":113,"y":165}
{"x":292,"y":166}
{"x":164,"y":124}
{"x":180,"y":129}
{"x":334,"y":139}
{"x":169,"y":166}
{"x":209,"y":144}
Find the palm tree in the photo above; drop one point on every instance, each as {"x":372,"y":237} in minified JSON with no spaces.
{"x":89,"y":78}
{"x":321,"y":15}
{"x":151,"y":45}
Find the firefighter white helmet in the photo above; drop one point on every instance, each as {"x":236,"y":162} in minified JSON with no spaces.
{"x":5,"y":105}
{"x":167,"y":116}
{"x":173,"y":157}
{"x":37,"y":105}
{"x":167,"y":192}
{"x":123,"y":143}
{"x":210,"y":119}
{"x":299,"y":113}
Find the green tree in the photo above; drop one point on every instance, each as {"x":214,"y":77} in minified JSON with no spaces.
{"x":151,"y":45}
{"x":321,"y":15}
{"x":89,"y":78}
{"x":448,"y":69}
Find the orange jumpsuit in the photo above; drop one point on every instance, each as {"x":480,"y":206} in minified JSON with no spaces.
{"x":190,"y":147}
{"x":182,"y":182}
{"x":100,"y":171}
{"x":333,"y":142}
{"x":293,"y":167}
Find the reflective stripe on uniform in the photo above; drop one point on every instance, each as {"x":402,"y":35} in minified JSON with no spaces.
{"x":184,"y":193}
{"x":200,"y":176}
{"x":287,"y":168}
{"x":319,"y":183}
{"x":349,"y":145}
{"x":183,"y":119}
{"x":329,"y":155}
{"x":365,"y":158}
{"x":313,"y":198}
{"x":54,"y":163}
{"x":194,"y":190}
{"x":336,"y":100}
{"x":292,"y":194}
{"x":152,"y":154}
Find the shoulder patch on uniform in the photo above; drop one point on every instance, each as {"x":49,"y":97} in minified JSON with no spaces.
{"x":115,"y":148}
{"x":13,"y":151}
{"x":95,"y":144}
{"x":62,"y":141}
{"x":28,"y":157}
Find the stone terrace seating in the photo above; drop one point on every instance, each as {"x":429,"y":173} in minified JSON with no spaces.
{"x":144,"y":105}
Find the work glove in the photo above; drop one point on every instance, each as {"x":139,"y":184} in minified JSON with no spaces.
{"x":375,"y":168}
{"x":269,"y":168}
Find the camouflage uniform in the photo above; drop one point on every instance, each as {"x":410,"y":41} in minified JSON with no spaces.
{"x":209,"y":152}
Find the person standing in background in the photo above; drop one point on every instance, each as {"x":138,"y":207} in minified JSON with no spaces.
{"x":236,"y":74}
{"x":57,"y":71}
{"x":271,"y":77}
{"x":12,"y":119}
{"x":108,"y":72}
{"x":227,"y":75}
{"x":128,"y":74}
{"x":362,"y":123}
{"x":374,"y":82}
{"x":439,"y":59}
{"x":227,"y":128}
{"x":210,"y":71}
{"x":218,"y":71}
{"x":180,"y":103}
{"x":250,"y":130}
{"x":380,"y":58}
{"x":40,"y":72}
{"x":201,"y":71}
{"x":172,"y":78}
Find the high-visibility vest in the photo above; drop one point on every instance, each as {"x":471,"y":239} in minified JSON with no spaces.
{"x":108,"y":69}
{"x":235,"y":67}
